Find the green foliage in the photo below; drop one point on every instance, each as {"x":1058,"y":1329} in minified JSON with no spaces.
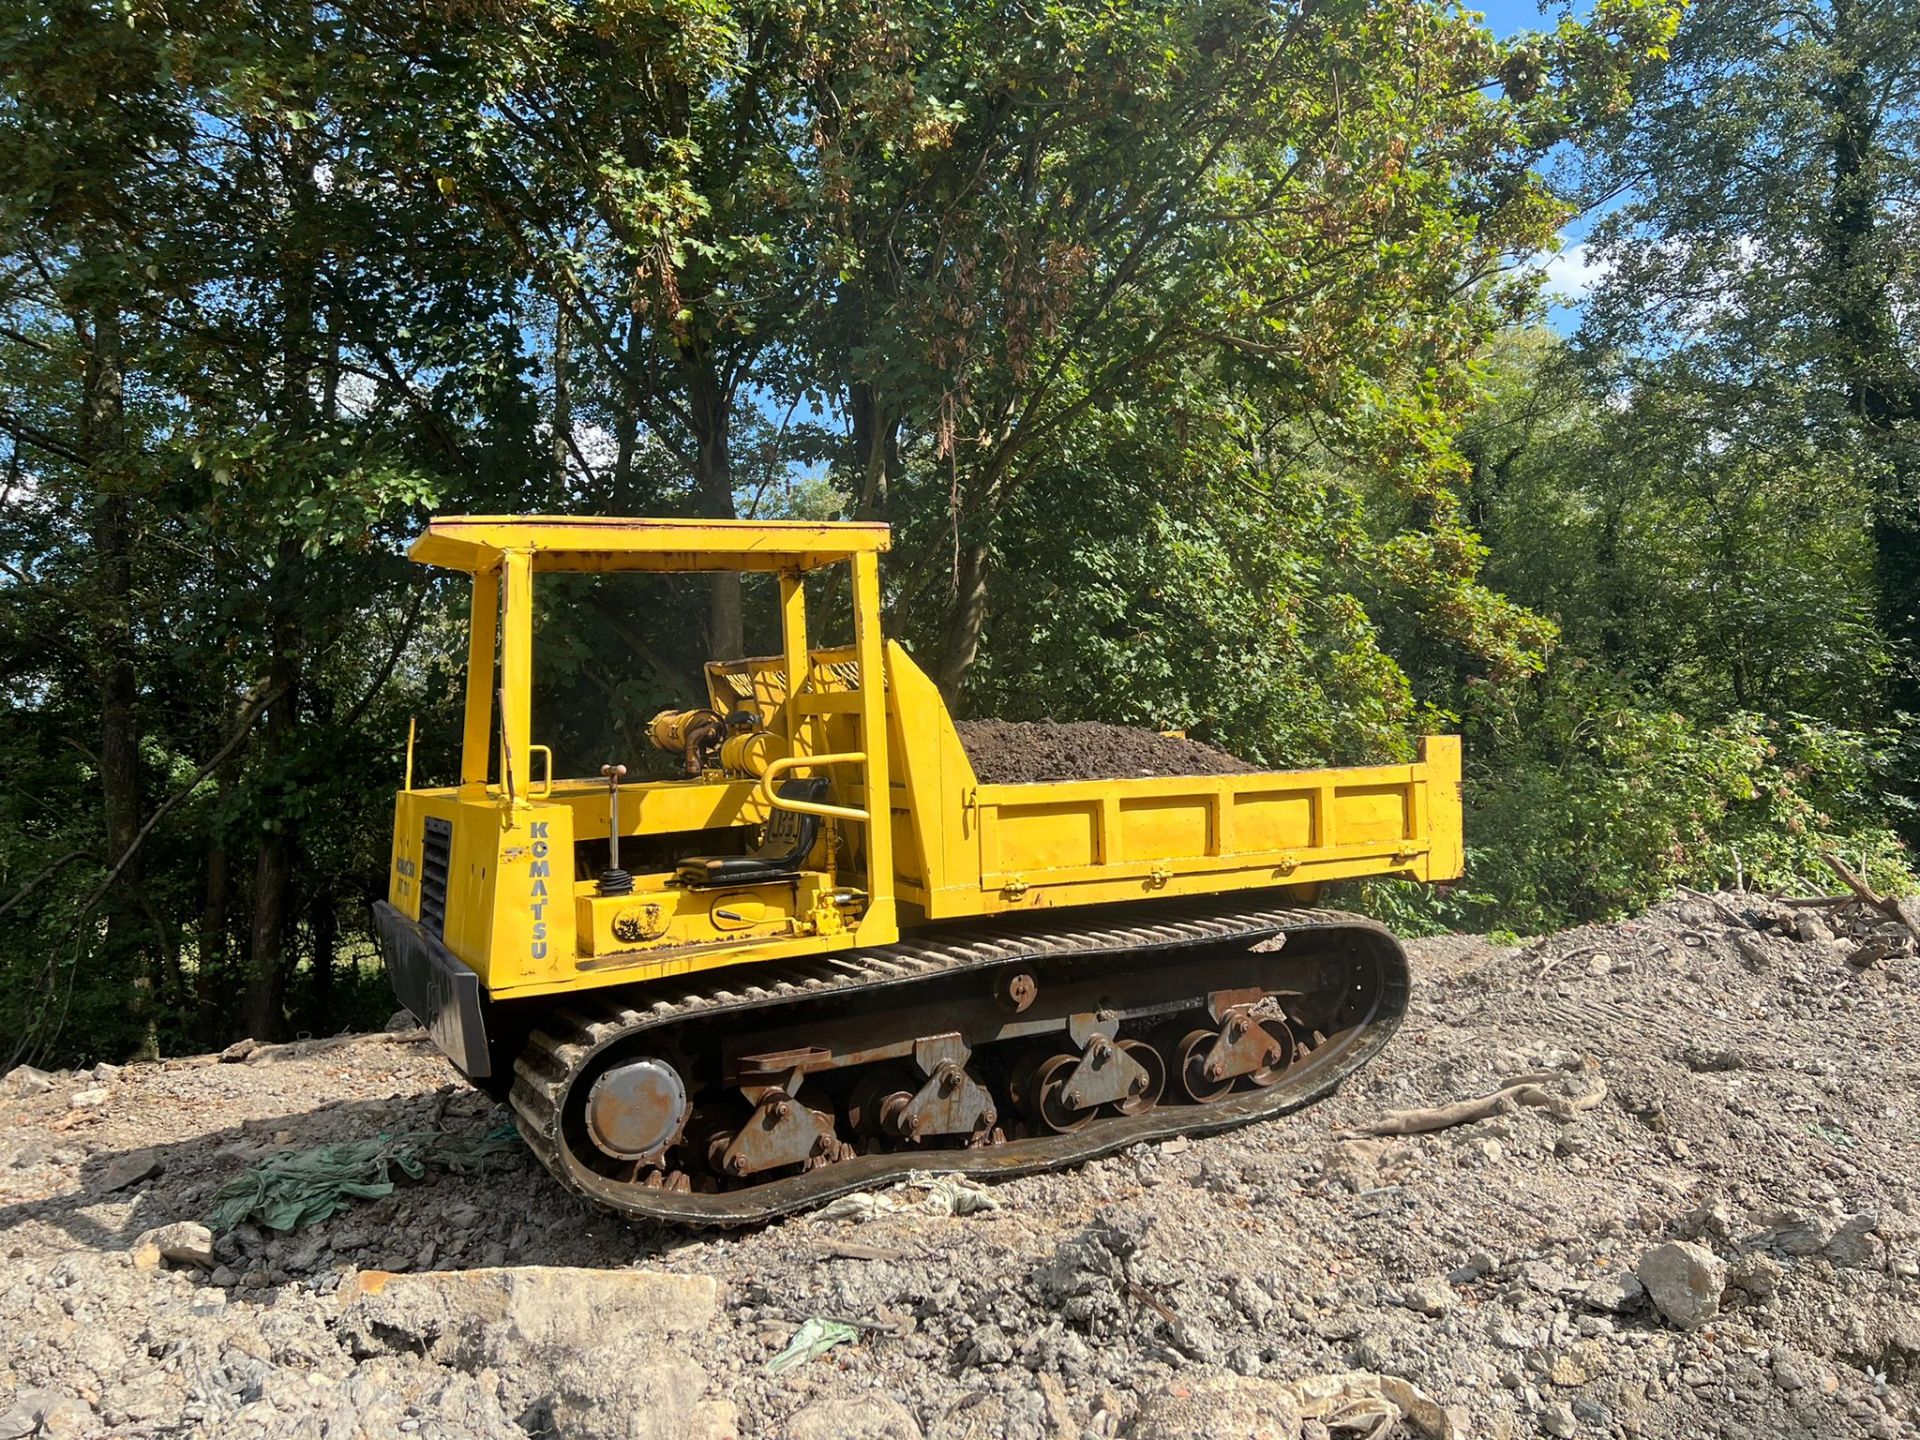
{"x":1710,"y":715}
{"x":1611,"y":802}
{"x":1203,"y":587}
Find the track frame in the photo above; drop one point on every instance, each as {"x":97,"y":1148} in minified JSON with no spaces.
{"x":564,"y":1045}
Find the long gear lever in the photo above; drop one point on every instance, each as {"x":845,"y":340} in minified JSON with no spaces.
{"x":614,"y":880}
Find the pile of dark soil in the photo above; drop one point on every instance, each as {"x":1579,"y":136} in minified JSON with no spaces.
{"x":1021,"y":752}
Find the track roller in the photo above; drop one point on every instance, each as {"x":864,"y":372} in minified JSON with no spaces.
{"x":1039,"y":1086}
{"x":1186,"y":1050}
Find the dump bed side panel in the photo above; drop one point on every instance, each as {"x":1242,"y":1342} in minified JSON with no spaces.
{"x":985,"y":849}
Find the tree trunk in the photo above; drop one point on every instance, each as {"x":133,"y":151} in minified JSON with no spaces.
{"x":323,"y":928}
{"x":119,"y":725}
{"x":626,"y":425}
{"x":121,"y":801}
{"x":965,"y":620}
{"x":300,"y":259}
{"x":1881,"y":389}
{"x":876,"y":450}
{"x":209,"y":981}
{"x":273,"y":862}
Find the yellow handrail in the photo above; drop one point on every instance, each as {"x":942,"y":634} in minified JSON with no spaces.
{"x":776,"y":768}
{"x":544,"y":791}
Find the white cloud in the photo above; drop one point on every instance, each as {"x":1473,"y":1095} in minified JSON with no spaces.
{"x":1571,"y":274}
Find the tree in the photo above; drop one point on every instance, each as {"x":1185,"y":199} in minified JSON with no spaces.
{"x":1147,"y":327}
{"x":1760,"y":268}
{"x":1058,"y":220}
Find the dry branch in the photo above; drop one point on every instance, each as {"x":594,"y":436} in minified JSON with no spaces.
{"x":1528,"y":1090}
{"x":1886,"y":905}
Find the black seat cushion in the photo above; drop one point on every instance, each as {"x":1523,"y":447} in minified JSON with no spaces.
{"x":784,"y":843}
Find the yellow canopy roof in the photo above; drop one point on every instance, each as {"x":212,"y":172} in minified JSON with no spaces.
{"x":476,"y":543}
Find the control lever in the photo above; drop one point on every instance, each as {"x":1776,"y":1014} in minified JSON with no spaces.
{"x":614,"y":880}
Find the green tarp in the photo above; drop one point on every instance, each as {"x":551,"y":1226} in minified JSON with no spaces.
{"x":298,"y":1187}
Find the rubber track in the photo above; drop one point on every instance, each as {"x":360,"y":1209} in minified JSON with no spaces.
{"x":573,"y":1034}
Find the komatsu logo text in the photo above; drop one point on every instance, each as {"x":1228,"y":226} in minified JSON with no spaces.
{"x":539,"y":873}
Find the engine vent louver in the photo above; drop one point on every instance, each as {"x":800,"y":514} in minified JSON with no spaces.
{"x":436,"y":855}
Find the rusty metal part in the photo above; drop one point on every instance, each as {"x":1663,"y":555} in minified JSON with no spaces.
{"x":1244,"y":1044}
{"x":1185,"y":1050}
{"x":1131,"y":947}
{"x":1106,"y":1074}
{"x":1045,"y":1100}
{"x":878,"y":1099}
{"x":1015,"y":990}
{"x":1069,"y":1010}
{"x":636,"y":1109}
{"x":780,"y":1132}
{"x":1153,"y":1068}
{"x":774,"y":1067}
{"x":951,"y":1101}
{"x":1270,"y":1074}
{"x":691,"y":734}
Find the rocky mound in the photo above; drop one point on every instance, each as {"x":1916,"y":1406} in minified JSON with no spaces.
{"x":1650,"y":1179}
{"x":1022,"y":752}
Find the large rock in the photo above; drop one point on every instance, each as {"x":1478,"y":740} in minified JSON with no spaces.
{"x":604,"y":1352}
{"x":25,"y":1080}
{"x":457,"y":1316}
{"x":129,"y":1169}
{"x":1237,"y":1405}
{"x":1250,"y":1409}
{"x":871,"y":1417}
{"x":1855,"y":1242}
{"x":1685,"y":1282}
{"x":1431,"y":1296}
{"x":184,"y":1243}
{"x":382,"y":1399}
{"x":48,"y":1415}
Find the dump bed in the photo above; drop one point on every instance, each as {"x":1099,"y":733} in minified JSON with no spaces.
{"x":982,"y":849}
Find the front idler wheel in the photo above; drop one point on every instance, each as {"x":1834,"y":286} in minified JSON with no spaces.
{"x":636,"y":1110}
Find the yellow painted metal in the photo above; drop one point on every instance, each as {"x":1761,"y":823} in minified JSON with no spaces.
{"x":749,"y":752}
{"x":516,"y":672}
{"x":584,"y":543}
{"x":659,"y":918}
{"x":912,"y":835}
{"x":543,"y":787}
{"x":777,"y":768}
{"x":871,"y":737}
{"x":985,"y":849}
{"x":793,"y":629}
{"x":483,"y":638}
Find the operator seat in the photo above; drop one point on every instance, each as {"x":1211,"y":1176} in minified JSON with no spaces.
{"x":784,"y":842}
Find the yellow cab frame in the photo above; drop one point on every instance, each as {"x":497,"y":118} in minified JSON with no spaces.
{"x":494,"y":855}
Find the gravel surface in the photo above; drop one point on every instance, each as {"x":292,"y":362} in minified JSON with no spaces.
{"x":1725,"y":1245}
{"x":1023,"y":752}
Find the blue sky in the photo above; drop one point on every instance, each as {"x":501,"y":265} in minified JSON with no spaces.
{"x":1506,"y":16}
{"x":1567,"y":272}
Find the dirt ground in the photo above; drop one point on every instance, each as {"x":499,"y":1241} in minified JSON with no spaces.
{"x":1724,"y":1245}
{"x":1021,"y":752}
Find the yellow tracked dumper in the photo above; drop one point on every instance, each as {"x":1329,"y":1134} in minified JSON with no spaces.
{"x":824,"y":955}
